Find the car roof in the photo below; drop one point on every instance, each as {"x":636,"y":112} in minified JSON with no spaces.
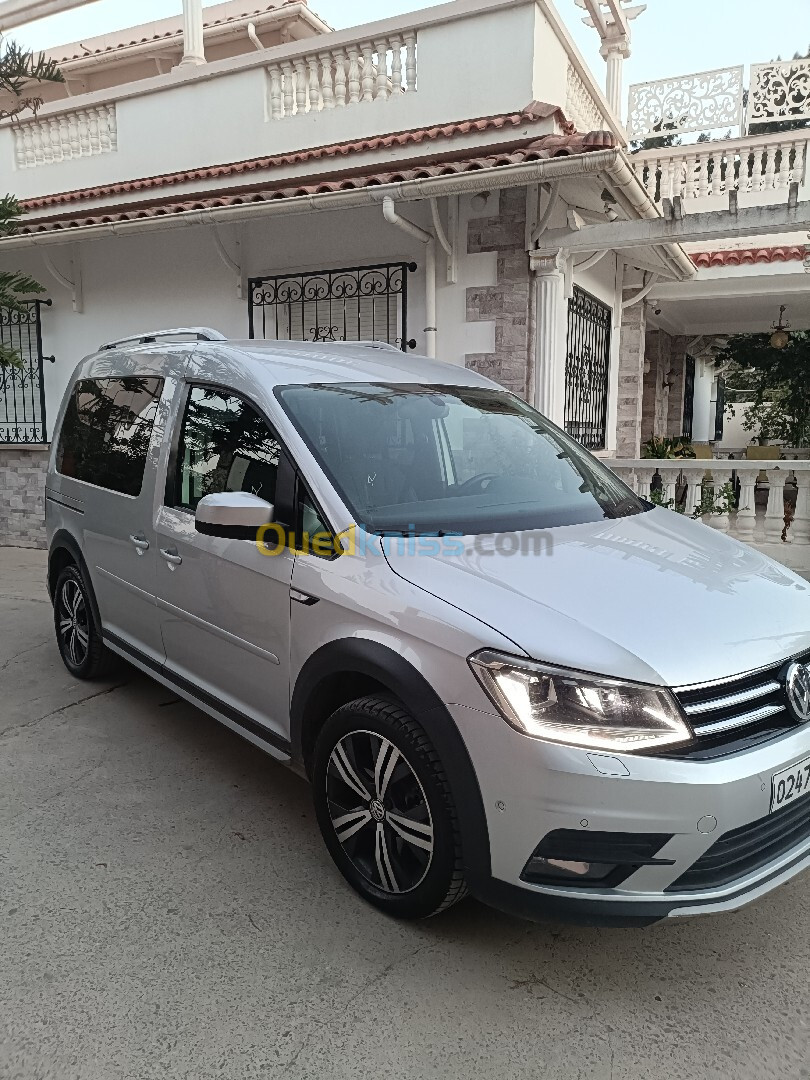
{"x":281,"y":363}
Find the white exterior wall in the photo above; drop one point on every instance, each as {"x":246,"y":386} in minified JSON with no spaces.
{"x":469,"y":65}
{"x":176,"y":278}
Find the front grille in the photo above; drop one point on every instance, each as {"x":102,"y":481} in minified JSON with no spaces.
{"x":731,"y":716}
{"x":748,"y":848}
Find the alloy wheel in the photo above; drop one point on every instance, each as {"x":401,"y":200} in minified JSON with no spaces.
{"x":73,"y":624}
{"x":379,"y":811}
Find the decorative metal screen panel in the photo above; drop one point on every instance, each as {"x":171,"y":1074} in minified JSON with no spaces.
{"x":688,"y":397}
{"x":22,"y":389}
{"x":700,"y":102}
{"x":587,"y":363}
{"x":779,"y":91}
{"x":361,"y":303}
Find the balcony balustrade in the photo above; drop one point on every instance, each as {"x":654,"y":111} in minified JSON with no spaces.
{"x":770,"y":507}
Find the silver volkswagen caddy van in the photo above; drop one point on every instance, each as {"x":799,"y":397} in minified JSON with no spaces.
{"x":503,"y":672}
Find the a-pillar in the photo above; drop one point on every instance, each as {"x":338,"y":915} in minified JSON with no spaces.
{"x":631,"y":378}
{"x":193,"y":41}
{"x":551,"y":322}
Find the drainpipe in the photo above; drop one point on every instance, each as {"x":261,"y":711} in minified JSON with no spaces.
{"x":392,"y":217}
{"x":254,"y":37}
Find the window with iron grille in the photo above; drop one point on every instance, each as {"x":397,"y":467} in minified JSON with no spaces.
{"x":22,"y":389}
{"x":359,"y":303}
{"x":587,"y":365}
{"x":688,"y":397}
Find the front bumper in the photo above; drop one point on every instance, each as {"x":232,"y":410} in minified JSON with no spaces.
{"x":531,"y":788}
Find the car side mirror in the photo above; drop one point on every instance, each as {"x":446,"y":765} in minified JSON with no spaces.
{"x":232,"y":515}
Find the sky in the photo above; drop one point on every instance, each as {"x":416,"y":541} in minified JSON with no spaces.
{"x":672,"y":37}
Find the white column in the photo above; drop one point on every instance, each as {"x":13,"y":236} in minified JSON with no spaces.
{"x":702,"y":416}
{"x":193,"y":44}
{"x":550,"y":343}
{"x":614,"y":53}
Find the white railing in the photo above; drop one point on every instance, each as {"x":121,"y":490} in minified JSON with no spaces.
{"x":332,"y":78}
{"x":713,"y":100}
{"x":772,"y":504}
{"x":706,"y":101}
{"x":767,"y":163}
{"x":78,"y":133}
{"x":779,"y":91}
{"x":580,"y":107}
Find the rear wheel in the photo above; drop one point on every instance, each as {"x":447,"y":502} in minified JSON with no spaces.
{"x":78,"y":634}
{"x":386,"y":811}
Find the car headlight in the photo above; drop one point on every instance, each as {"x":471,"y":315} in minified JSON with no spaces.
{"x":582,"y":710}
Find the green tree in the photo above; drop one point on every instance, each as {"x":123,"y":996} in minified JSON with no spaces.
{"x":775,"y":384}
{"x":21,"y":72}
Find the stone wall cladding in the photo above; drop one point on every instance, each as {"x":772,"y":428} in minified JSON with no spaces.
{"x":655,"y":398}
{"x":22,"y":496}
{"x":506,"y":303}
{"x":631,"y":380}
{"x":678,"y":368}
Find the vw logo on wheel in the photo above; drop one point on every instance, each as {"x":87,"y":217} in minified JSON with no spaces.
{"x":797,"y":688}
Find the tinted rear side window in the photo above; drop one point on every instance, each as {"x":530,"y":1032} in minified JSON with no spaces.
{"x":106,"y":431}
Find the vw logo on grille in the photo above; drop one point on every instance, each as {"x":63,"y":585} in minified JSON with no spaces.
{"x":797,"y":688}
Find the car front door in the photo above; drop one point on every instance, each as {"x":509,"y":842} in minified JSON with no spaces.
{"x":224,"y":605}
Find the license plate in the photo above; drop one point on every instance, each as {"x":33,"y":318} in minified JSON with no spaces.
{"x":790,"y":784}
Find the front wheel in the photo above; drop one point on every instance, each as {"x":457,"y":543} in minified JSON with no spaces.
{"x":386,"y":811}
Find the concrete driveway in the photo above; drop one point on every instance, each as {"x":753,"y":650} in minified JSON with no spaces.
{"x":168,"y":911}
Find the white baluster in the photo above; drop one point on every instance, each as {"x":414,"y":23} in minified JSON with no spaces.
{"x":50,"y":140}
{"x":770,"y":168}
{"x":288,"y":87}
{"x":19,"y":148}
{"x":799,"y":532}
{"x":396,"y":65}
{"x":410,"y":61}
{"x":745,"y":525}
{"x":720,"y":477}
{"x":95,"y":145}
{"x":694,"y":490}
{"x":670,"y":478}
{"x":73,"y":136}
{"x":39,"y":152}
{"x":703,"y":173}
{"x":340,"y":78}
{"x":113,"y":128}
{"x":644,"y":480}
{"x":354,"y":74}
{"x":300,"y":85}
{"x":369,"y":74}
{"x":276,"y":93}
{"x":799,"y":162}
{"x":383,"y":86}
{"x":692,"y":165}
{"x":775,"y":514}
{"x":104,"y":132}
{"x":84,"y":132}
{"x":716,"y":182}
{"x":315,"y":99}
{"x":327,"y":91}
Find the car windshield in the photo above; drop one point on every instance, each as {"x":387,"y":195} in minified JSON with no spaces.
{"x":451,"y":459}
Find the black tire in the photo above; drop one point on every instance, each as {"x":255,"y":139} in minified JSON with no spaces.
{"x":397,"y":839}
{"x":78,"y":632}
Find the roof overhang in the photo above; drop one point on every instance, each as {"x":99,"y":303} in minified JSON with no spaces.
{"x":605,"y":168}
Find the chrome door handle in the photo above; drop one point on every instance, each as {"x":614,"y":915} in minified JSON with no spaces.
{"x":140,"y":542}
{"x":171,"y":556}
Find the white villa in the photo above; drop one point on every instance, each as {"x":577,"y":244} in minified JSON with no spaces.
{"x":454,"y":181}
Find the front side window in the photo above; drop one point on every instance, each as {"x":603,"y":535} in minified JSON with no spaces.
{"x":225,"y":445}
{"x":106,"y":432}
{"x":412,"y":458}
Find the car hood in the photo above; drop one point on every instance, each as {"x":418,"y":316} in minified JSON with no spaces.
{"x":654,"y":597}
